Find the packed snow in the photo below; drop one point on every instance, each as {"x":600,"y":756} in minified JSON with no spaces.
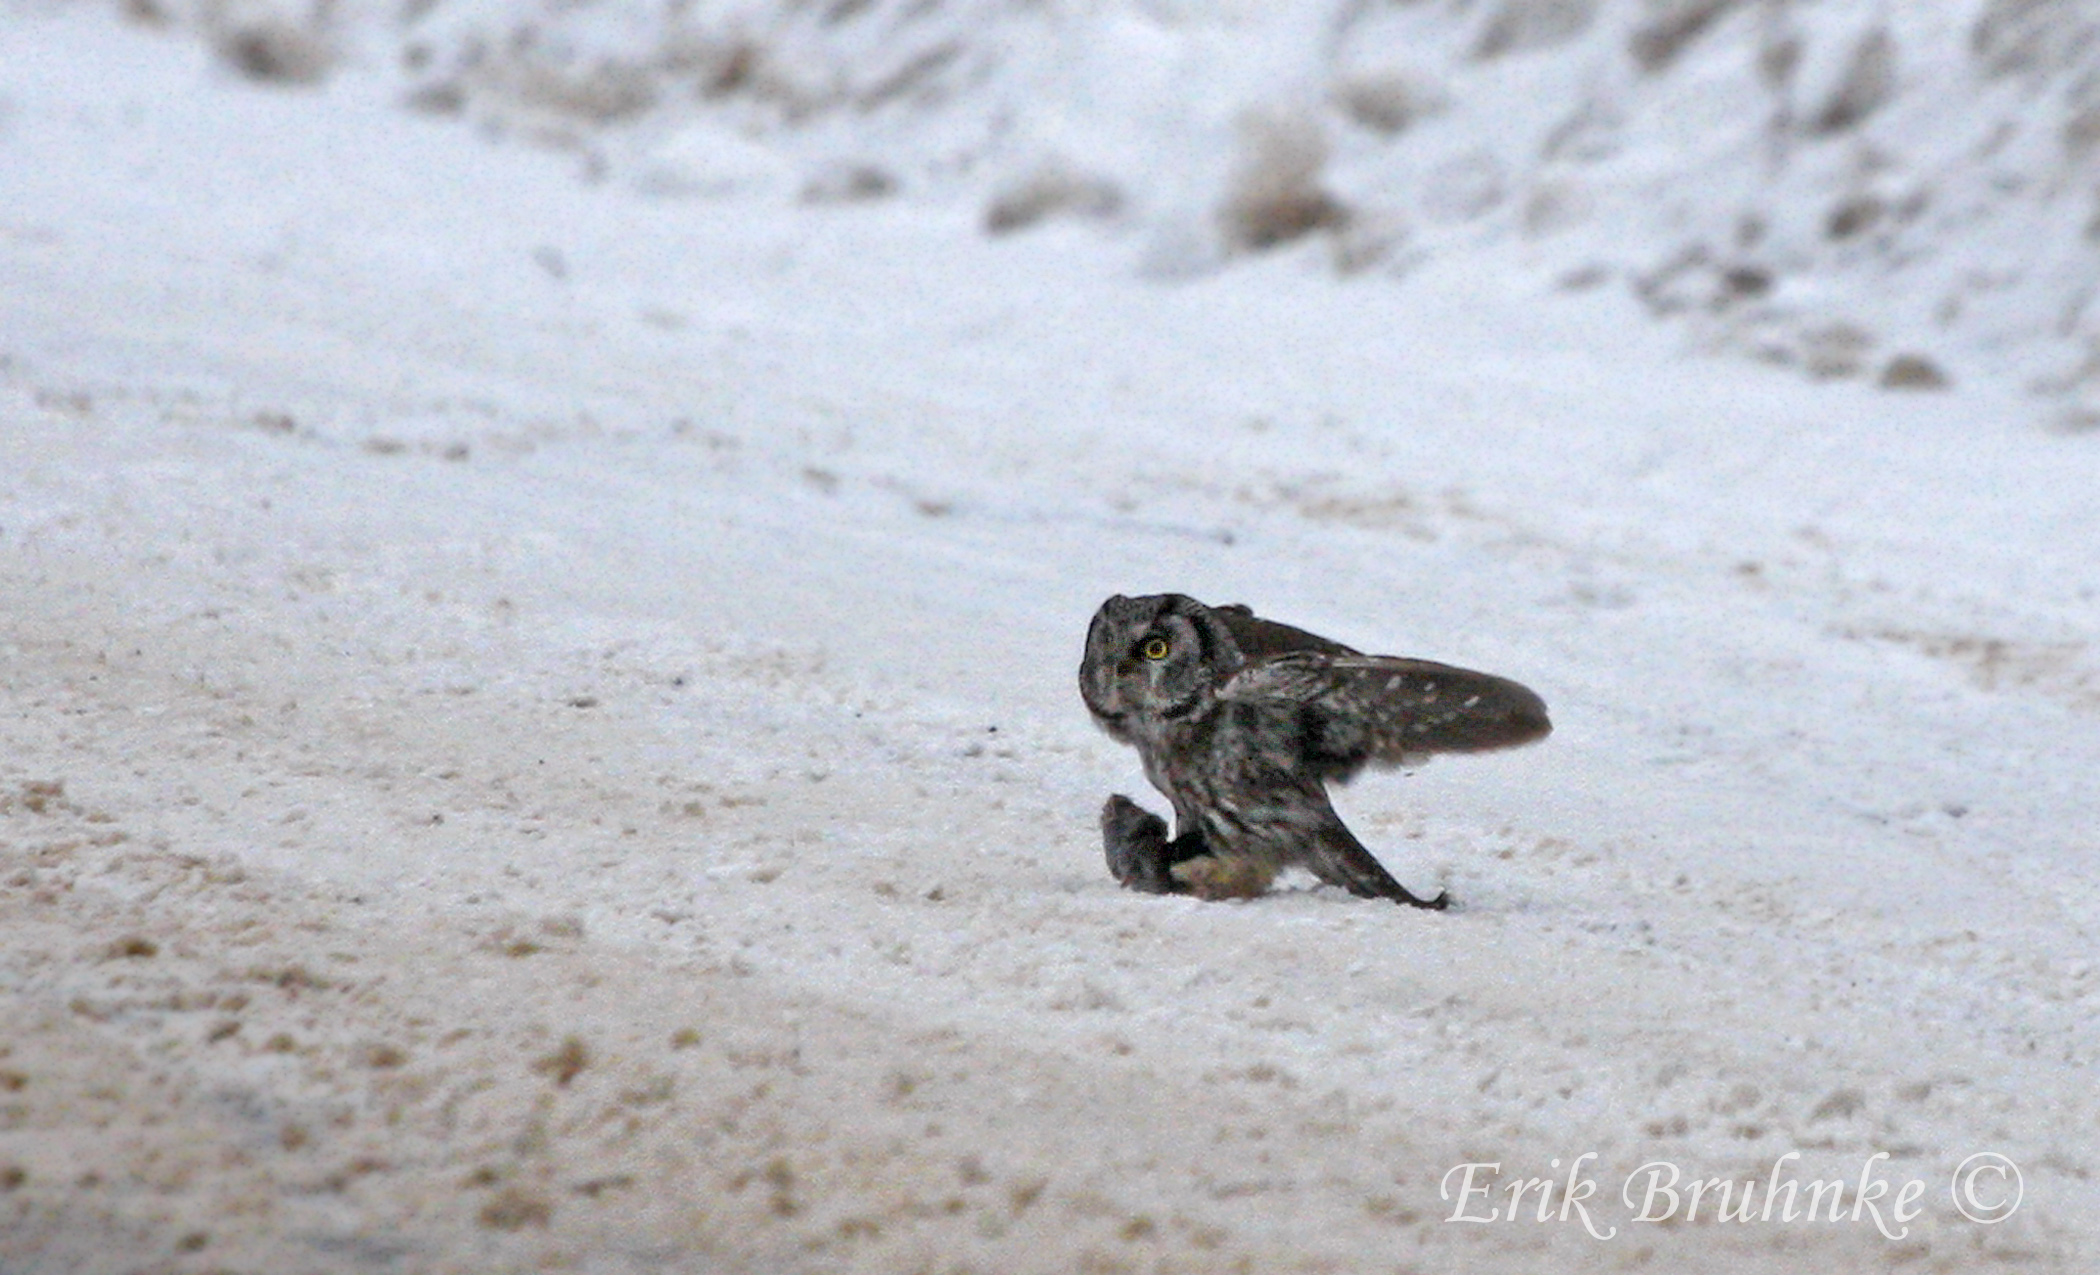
{"x":544,"y":550}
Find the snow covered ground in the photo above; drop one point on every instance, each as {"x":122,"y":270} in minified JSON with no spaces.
{"x":539,"y":727}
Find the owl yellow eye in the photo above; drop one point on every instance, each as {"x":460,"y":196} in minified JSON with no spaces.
{"x":1155,"y":648}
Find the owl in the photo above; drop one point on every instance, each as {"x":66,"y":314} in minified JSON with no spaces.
{"x":1242,"y":723}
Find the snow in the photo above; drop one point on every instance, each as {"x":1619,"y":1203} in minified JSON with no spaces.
{"x":540,"y":726}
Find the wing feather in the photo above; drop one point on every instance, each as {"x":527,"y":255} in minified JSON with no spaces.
{"x":1383,"y":710}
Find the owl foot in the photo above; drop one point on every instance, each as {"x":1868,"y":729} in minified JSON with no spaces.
{"x":1140,"y":855}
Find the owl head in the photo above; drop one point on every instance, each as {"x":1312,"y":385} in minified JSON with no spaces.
{"x":1159,"y":656}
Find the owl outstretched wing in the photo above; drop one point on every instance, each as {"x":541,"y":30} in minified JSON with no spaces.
{"x":1338,"y":858}
{"x":1363,"y":710}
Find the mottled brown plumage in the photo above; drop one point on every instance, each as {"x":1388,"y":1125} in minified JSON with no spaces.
{"x":1241,"y":723}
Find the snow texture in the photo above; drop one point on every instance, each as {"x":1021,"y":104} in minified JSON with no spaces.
{"x":544,"y":549}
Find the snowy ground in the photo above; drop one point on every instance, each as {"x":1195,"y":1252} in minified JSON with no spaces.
{"x":539,"y":733}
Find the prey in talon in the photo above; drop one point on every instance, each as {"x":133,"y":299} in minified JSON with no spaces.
{"x":1241,"y":724}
